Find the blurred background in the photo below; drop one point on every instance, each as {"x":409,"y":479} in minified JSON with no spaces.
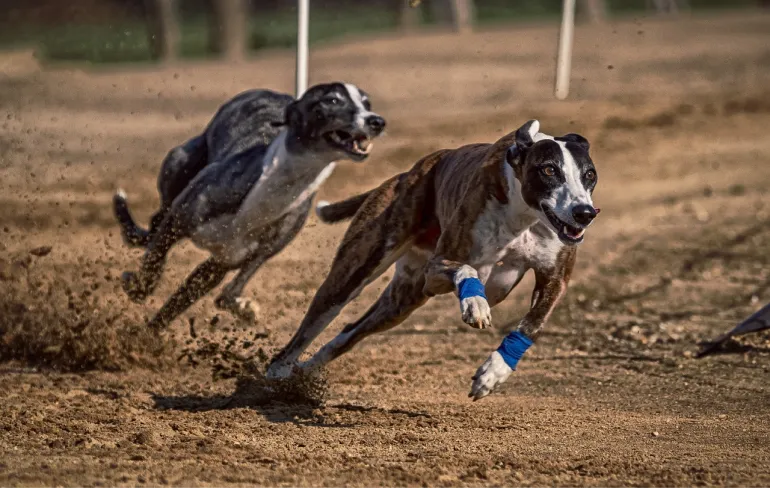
{"x":115,"y":31}
{"x":674,"y":97}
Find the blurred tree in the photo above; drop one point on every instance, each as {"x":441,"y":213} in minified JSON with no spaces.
{"x":163,"y":21}
{"x":668,"y":7}
{"x":409,"y":14}
{"x":594,"y":10}
{"x":458,"y":13}
{"x":462,"y":15}
{"x":440,"y":11}
{"x":228,"y":28}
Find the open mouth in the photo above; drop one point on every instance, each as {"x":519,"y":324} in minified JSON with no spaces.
{"x":359,"y":145}
{"x":569,"y":234}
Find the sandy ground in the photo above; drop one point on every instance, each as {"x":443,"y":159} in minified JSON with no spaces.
{"x":610,"y":395}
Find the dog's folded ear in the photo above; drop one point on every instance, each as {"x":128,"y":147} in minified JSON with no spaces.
{"x":512,"y":155}
{"x":294,"y":118}
{"x":525,"y":135}
{"x":576,"y":139}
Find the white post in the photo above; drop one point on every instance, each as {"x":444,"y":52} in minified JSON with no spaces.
{"x":303,"y":22}
{"x":564,"y":57}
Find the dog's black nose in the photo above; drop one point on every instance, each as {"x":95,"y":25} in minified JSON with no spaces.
{"x":375,"y":123}
{"x":583,"y":214}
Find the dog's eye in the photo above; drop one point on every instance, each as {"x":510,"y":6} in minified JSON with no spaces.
{"x":332,"y":100}
{"x":590,"y":175}
{"x":548,"y":171}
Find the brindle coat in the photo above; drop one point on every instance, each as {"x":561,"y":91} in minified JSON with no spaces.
{"x":456,"y":213}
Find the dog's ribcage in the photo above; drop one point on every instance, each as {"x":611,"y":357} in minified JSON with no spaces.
{"x":286,"y":184}
{"x":253,"y":187}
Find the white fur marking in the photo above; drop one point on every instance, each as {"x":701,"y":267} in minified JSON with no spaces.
{"x":284,"y":369}
{"x":490,"y":375}
{"x":534,"y":129}
{"x":286,"y":182}
{"x":279,"y":371}
{"x":313,"y":187}
{"x":320,"y":206}
{"x":355,"y":95}
{"x":572,"y":192}
{"x":542,"y":137}
{"x":475,"y":311}
{"x":464,"y":272}
{"x":324,"y":355}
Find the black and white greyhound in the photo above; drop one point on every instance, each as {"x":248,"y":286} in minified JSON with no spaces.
{"x":243,"y":189}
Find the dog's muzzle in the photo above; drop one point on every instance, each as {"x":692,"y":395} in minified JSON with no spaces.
{"x":584,"y":214}
{"x":375,"y":124}
{"x":571,"y":232}
{"x":357,"y":141}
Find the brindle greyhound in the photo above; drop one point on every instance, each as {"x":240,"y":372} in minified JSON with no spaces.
{"x":472,"y":221}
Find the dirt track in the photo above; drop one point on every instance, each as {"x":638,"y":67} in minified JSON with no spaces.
{"x":677,"y":116}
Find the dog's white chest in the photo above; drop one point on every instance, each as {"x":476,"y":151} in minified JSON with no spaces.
{"x":286,"y":183}
{"x":505,"y":234}
{"x":497,"y":230}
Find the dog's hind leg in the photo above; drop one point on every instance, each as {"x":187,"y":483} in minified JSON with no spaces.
{"x":379,"y":235}
{"x":202,"y":280}
{"x":141,"y":284}
{"x":273,"y":240}
{"x":231,"y":300}
{"x":179,"y":167}
{"x":403,"y":296}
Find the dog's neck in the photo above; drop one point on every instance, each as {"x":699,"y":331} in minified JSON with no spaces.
{"x":519,"y":215}
{"x":294,"y":141}
{"x":289,"y":152}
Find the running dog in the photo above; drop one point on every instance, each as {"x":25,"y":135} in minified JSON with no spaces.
{"x":243,"y":189}
{"x":471,"y":221}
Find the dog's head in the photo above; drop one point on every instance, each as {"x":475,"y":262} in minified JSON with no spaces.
{"x":557,"y":178}
{"x":335,"y":118}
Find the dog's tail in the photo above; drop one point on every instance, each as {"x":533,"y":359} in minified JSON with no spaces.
{"x":339,"y":211}
{"x":133,"y":235}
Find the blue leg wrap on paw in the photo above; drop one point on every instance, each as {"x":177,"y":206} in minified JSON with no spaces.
{"x":513,"y":348}
{"x":471,"y":287}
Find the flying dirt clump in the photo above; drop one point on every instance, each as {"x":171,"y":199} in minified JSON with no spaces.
{"x":60,"y":319}
{"x":254,"y":390}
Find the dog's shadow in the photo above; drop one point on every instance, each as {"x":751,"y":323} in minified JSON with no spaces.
{"x":728,"y":347}
{"x":297,"y":401}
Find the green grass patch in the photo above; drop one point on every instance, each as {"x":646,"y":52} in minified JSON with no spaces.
{"x":126,"y":40}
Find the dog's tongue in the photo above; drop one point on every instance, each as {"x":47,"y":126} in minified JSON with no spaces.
{"x":573,"y":232}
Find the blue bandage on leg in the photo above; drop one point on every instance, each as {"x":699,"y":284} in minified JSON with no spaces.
{"x":471,"y":287}
{"x":513,"y":348}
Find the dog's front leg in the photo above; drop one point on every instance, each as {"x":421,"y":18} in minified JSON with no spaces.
{"x":550,"y":285}
{"x":445,"y":275}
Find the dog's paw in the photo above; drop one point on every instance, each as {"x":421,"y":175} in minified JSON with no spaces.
{"x":280,"y":371}
{"x":243,"y":309}
{"x":134,"y":287}
{"x":489,"y":376}
{"x":476,"y":312}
